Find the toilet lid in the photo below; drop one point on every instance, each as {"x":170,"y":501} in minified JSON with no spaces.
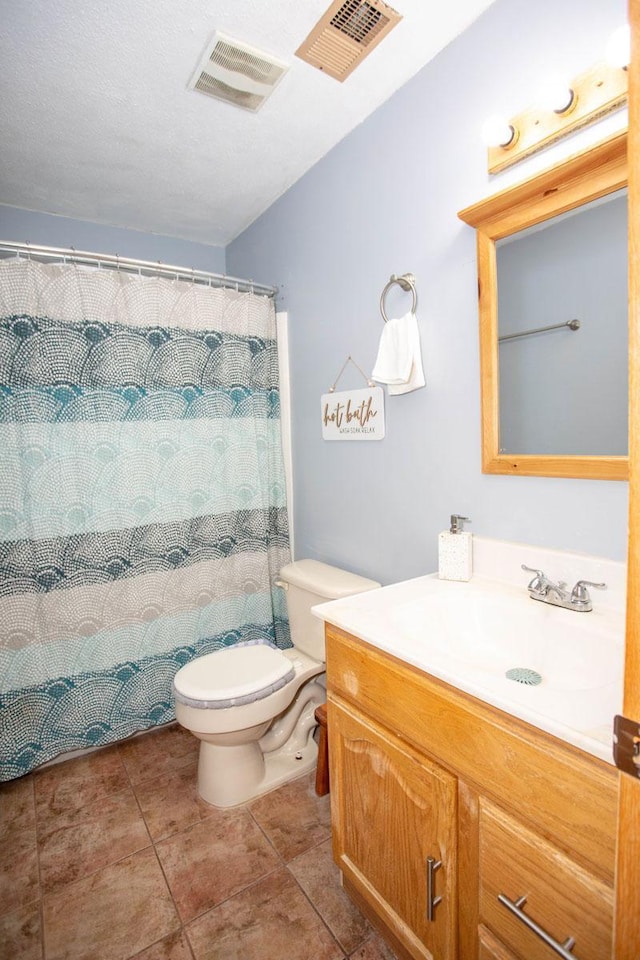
{"x":233,"y":676}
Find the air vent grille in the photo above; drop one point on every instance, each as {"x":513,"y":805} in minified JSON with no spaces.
{"x":219,"y":90}
{"x":346,"y":34}
{"x":236,"y":73}
{"x":360,"y":21}
{"x":243,"y":61}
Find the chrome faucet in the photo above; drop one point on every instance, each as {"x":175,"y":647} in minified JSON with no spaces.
{"x":578,"y":599}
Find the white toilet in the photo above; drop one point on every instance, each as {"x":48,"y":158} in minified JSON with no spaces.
{"x":252,"y":706}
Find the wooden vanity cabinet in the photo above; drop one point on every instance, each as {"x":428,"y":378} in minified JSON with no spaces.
{"x":421,"y":775}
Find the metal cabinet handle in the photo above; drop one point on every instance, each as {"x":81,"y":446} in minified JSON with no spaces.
{"x":562,"y":949}
{"x":432,"y":900}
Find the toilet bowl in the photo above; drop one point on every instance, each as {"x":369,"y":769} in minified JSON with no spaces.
{"x":252,"y":706}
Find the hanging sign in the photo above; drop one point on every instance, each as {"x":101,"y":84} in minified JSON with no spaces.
{"x":353,"y":414}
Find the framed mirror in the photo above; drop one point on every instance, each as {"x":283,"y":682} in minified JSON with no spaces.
{"x":553,"y":251}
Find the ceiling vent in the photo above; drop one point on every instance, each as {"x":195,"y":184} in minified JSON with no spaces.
{"x":237,"y":73}
{"x":346,"y":34}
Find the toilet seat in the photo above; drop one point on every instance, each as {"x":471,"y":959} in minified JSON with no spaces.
{"x":233,"y":676}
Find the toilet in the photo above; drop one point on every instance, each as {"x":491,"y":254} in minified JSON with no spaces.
{"x":252,"y":705}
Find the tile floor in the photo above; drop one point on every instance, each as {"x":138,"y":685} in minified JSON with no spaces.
{"x":112,"y":856}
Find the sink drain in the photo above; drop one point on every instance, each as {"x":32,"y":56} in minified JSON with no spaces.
{"x":524,"y":675}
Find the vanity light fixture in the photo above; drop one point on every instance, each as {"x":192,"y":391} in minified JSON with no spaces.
{"x":618,"y":50}
{"x":562,"y":108}
{"x":556,"y":96}
{"x":497,"y":132}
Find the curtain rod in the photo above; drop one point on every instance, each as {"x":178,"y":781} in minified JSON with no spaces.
{"x":142,"y":267}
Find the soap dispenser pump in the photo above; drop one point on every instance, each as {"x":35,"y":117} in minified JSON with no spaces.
{"x":455,"y":557}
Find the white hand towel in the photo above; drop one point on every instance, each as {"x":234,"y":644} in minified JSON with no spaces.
{"x":399,"y":360}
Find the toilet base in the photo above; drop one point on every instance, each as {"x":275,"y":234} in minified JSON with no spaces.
{"x":230,"y":776}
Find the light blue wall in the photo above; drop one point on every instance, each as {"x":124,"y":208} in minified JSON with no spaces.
{"x":384,"y":201}
{"x":576,"y":381}
{"x":51,"y":231}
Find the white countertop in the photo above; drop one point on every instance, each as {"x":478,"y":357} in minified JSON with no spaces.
{"x":469,"y":634}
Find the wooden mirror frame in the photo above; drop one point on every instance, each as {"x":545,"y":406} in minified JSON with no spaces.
{"x":594,"y":173}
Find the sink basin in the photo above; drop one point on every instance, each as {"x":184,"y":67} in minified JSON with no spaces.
{"x":568,"y":666}
{"x":494,"y":633}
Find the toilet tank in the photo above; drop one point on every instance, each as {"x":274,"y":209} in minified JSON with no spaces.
{"x":309,"y":582}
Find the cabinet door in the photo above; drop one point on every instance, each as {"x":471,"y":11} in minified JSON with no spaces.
{"x":394,"y":819}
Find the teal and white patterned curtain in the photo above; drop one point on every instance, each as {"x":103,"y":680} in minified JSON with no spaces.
{"x":142,"y":498}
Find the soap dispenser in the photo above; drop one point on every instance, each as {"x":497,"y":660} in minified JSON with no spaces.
{"x":455,"y":557}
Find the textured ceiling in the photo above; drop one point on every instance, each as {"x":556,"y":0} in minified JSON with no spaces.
{"x":98,"y":123}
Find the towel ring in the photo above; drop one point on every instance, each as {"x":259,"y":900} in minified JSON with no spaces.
{"x":408,"y":282}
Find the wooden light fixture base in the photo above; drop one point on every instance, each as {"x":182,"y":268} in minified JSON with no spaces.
{"x":597,"y":92}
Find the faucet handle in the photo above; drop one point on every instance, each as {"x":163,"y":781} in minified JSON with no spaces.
{"x":539,"y":583}
{"x":580,"y":594}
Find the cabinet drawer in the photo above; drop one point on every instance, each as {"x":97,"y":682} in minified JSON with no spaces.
{"x":562,"y":898}
{"x":490,"y":949}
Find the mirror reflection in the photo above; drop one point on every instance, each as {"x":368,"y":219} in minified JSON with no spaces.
{"x":563,"y":391}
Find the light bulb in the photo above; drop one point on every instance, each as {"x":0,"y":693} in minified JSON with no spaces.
{"x":555,"y":95}
{"x":497,"y":132}
{"x":618,"y":50}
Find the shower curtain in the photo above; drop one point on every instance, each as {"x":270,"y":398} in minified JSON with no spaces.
{"x":142,"y":497}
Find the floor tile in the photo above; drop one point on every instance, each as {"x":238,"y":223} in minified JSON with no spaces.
{"x":20,"y":934}
{"x":79,"y":875}
{"x":111,"y":915}
{"x":374,"y":949}
{"x":72,"y":784}
{"x":319,"y":877}
{"x":293,"y":817}
{"x":215,"y":859}
{"x":170,"y":802}
{"x":174,"y":947}
{"x":76,"y":844}
{"x":17,"y":804}
{"x":271,"y":920}
{"x":19,"y":882}
{"x":158,"y":751}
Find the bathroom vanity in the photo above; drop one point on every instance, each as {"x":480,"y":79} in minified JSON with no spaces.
{"x":461,"y":829}
{"x":441,"y":803}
